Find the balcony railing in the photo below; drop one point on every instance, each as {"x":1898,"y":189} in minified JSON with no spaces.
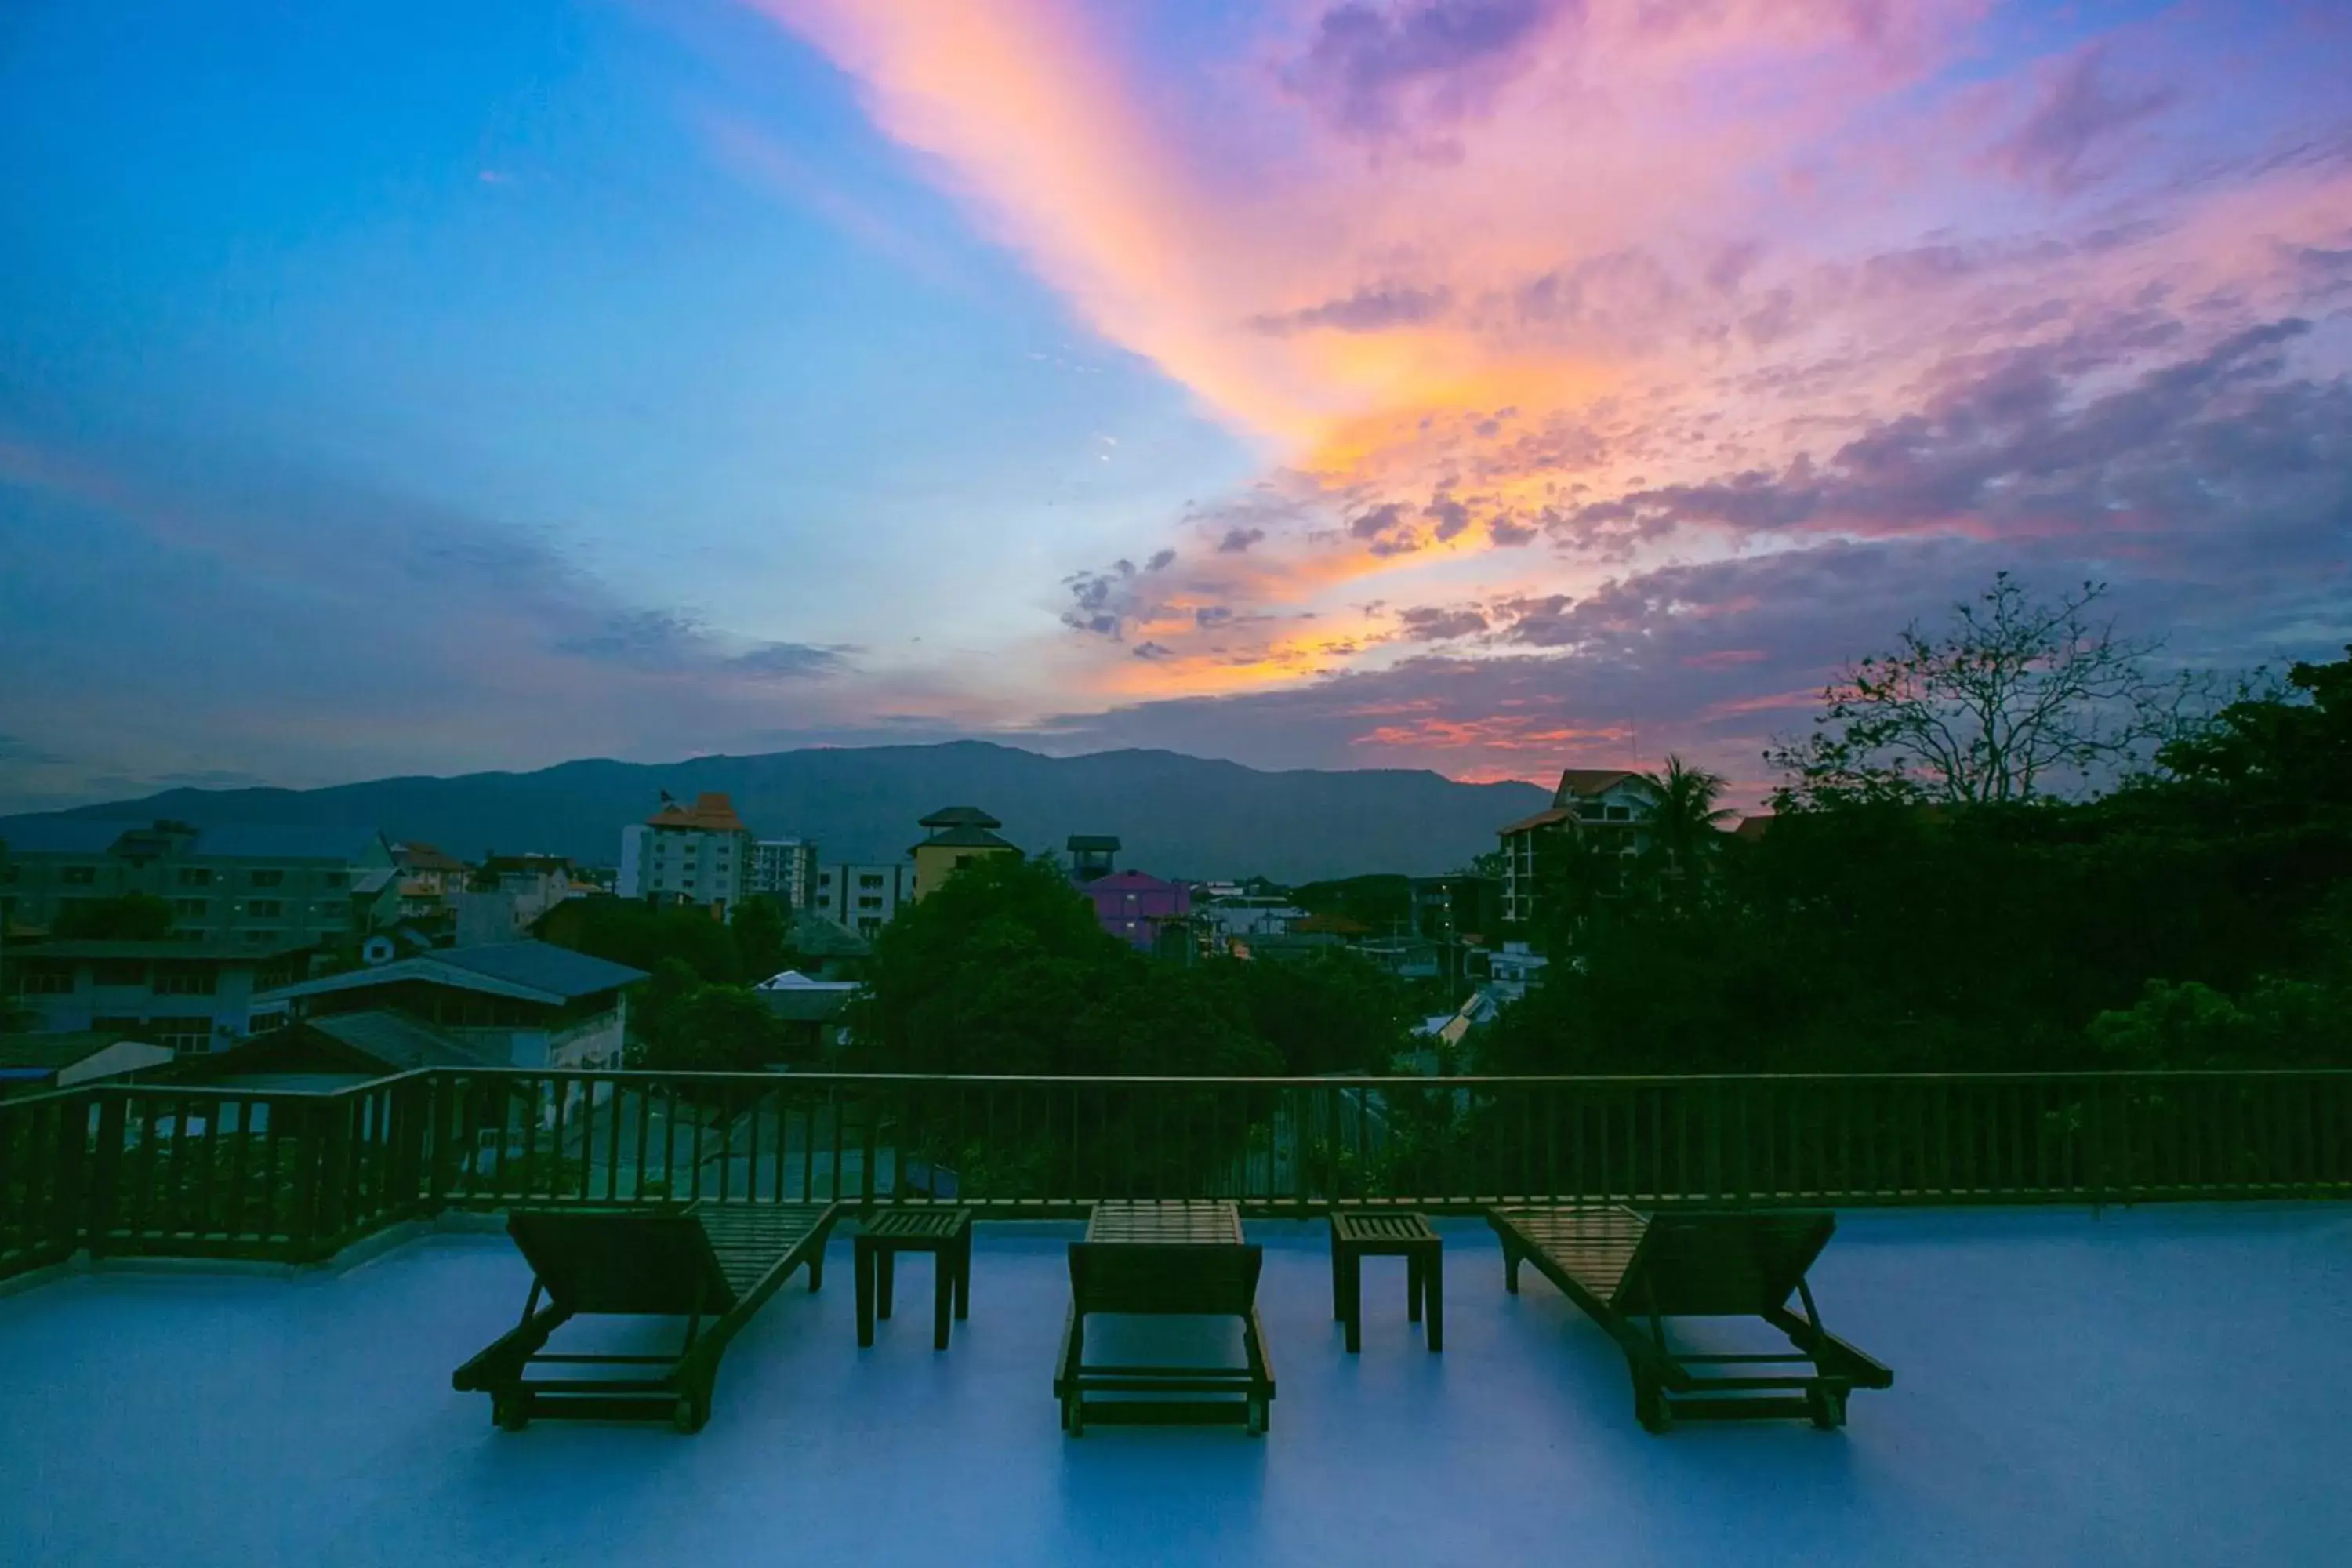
{"x":176,"y":1170}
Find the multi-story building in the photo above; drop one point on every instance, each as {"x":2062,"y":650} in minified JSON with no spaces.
{"x":862,"y":899}
{"x":690,"y":855}
{"x":1456,"y":907}
{"x":502,"y":900}
{"x":785,"y":868}
{"x":255,"y":887}
{"x":957,"y":836}
{"x":1138,"y":908}
{"x":1609,"y":808}
{"x":518,"y":1004}
{"x":188,"y":997}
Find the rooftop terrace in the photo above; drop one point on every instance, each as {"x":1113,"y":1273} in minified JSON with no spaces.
{"x":2152,"y":1384}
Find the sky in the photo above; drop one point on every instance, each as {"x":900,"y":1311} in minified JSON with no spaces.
{"x":1491,"y":387}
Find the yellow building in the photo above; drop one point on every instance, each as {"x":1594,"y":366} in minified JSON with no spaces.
{"x":957,"y":835}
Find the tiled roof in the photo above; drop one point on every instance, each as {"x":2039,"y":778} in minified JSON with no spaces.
{"x":1753,"y":828}
{"x":710,"y":813}
{"x":960,"y":817}
{"x":1583,"y":783}
{"x":972,"y":838}
{"x":1540,"y":819}
{"x":425,"y":858}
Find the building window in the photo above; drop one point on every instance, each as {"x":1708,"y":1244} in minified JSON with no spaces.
{"x":195,"y":877}
{"x":871,"y":880}
{"x":173,"y":980}
{"x":198,"y":908}
{"x":261,"y":938}
{"x":120,"y":972}
{"x":268,"y":878}
{"x":78,"y":875}
{"x":870,"y":901}
{"x":264,"y":908}
{"x":46,"y":982}
{"x":183,"y":1035}
{"x":334,"y":879}
{"x":1620,"y":814}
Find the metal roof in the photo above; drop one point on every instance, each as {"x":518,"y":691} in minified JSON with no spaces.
{"x":526,"y":971}
{"x":401,"y":1041}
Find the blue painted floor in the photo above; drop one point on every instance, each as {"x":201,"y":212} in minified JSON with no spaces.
{"x":2164,"y":1385}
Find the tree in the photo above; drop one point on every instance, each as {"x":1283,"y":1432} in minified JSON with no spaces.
{"x":626,"y":932}
{"x":2294,"y":743}
{"x":762,"y":938}
{"x":133,"y":917}
{"x":1682,"y":823}
{"x":2017,"y":698}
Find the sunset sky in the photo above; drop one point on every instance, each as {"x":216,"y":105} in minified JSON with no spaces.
{"x":1482,"y":386}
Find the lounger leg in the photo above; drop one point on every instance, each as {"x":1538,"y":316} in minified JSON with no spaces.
{"x":862,"y":1267}
{"x":1412,"y":1287}
{"x":817,"y":1268}
{"x":943,"y":1278}
{"x":963,"y":1276}
{"x":1510,"y":1268}
{"x":885,"y":1273}
{"x":1355,"y":1287}
{"x":1339,"y":1295}
{"x":1432,"y":1290}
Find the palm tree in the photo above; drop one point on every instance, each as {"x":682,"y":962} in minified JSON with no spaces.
{"x":1683,"y":819}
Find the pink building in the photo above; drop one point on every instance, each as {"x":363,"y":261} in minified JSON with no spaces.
{"x":1134,"y":905}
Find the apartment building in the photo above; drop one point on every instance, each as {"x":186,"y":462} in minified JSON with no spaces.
{"x":252,"y":886}
{"x":863,"y":898}
{"x":785,"y":867}
{"x":699,"y":855}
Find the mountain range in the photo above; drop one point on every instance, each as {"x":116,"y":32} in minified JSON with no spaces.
{"x":1176,"y":816}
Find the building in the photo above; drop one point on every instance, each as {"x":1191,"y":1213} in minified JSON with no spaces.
{"x":785,"y":868}
{"x":516,"y":1004}
{"x":1462,"y":907}
{"x":813,"y":1011}
{"x":188,"y":997}
{"x":957,"y":835}
{"x":33,"y":1063}
{"x":689,"y":854}
{"x":1091,"y":855}
{"x":259,"y":886}
{"x":862,"y":898}
{"x":1608,"y":805}
{"x":430,"y":877}
{"x":1137,"y":906}
{"x":505,"y":898}
{"x":1512,"y":970}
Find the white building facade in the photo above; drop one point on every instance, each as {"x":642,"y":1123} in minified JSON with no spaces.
{"x":697,"y":855}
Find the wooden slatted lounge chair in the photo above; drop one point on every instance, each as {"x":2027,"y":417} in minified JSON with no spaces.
{"x":1165,"y":1259}
{"x":1630,"y":1273}
{"x":713,"y":1266}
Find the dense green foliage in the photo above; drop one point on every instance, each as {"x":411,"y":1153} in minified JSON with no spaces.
{"x":2199,"y":920}
{"x":1005,"y":970}
{"x":1380,"y":904}
{"x":133,"y":917}
{"x":642,"y":937}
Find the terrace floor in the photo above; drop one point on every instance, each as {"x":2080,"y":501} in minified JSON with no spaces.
{"x":2165,"y":1384}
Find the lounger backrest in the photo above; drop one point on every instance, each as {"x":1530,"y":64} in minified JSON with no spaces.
{"x":623,"y":1260}
{"x":1720,"y":1264}
{"x":1175,"y":1279}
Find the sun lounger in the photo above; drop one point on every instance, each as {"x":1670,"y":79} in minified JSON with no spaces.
{"x":1630,"y":1273}
{"x":1164,"y":1259}
{"x":713,"y":1266}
